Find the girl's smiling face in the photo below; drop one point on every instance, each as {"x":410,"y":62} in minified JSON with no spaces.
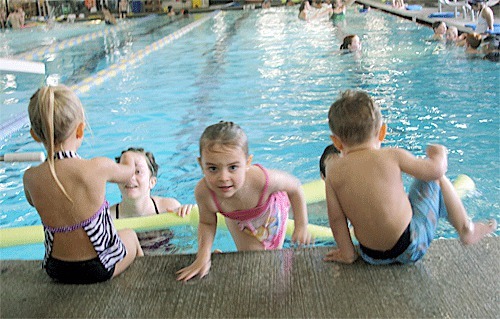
{"x":225,"y":169}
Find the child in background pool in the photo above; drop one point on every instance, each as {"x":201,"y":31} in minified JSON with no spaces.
{"x":351,"y":43}
{"x":364,"y":186}
{"x":136,"y":192}
{"x":492,"y":48}
{"x":339,"y":11}
{"x":255,"y":201}
{"x":452,"y":36}
{"x":439,"y":28}
{"x":307,"y":13}
{"x":472,"y":43}
{"x":68,"y":192}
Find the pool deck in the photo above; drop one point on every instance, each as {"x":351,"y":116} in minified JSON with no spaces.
{"x":422,"y":16}
{"x":452,"y":281}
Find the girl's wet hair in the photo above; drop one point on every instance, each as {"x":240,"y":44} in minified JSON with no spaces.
{"x":354,"y":117}
{"x":55,"y":112}
{"x":150,"y":159}
{"x":227,"y":134}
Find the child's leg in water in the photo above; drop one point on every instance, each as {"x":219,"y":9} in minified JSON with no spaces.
{"x":469,"y":232}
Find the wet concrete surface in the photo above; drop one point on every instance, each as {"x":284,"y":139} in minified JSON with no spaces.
{"x":451,"y":281}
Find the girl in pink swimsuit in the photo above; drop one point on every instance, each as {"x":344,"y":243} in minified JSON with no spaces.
{"x":254,"y":201}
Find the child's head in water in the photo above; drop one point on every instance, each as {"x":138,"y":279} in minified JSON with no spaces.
{"x":145,"y":176}
{"x":452,"y":34}
{"x":55,"y":112}
{"x":473,"y":40}
{"x":351,"y":43}
{"x":224,"y":144}
{"x":439,"y":28}
{"x":328,"y":152}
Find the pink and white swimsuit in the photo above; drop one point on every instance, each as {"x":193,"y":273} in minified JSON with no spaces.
{"x":266,"y":221}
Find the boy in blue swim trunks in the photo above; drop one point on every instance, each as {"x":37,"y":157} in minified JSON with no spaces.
{"x":364,"y":186}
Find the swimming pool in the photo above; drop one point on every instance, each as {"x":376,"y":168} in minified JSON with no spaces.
{"x":276,"y":76}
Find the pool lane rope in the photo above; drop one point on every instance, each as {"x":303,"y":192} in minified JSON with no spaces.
{"x":16,"y":123}
{"x":104,"y":75}
{"x":39,"y":54}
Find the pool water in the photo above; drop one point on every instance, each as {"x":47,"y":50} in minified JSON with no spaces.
{"x":276,"y":76}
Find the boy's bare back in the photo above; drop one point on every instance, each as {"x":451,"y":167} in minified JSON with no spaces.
{"x":369,"y":188}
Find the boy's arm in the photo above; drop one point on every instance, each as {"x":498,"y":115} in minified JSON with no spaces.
{"x":432,"y":167}
{"x":282,"y":181}
{"x":345,"y":251}
{"x":206,"y":233}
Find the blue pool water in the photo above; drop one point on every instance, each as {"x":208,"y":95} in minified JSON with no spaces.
{"x":276,"y":76}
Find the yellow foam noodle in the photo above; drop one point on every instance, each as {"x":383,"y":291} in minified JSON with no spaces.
{"x":16,"y":236}
{"x":315,"y":230}
{"x":464,"y":185}
{"x":159,"y":221}
{"x":314,"y":192}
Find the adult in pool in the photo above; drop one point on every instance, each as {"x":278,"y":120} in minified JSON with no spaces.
{"x":136,"y":192}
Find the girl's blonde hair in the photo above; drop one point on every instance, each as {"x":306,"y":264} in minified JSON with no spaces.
{"x":54,"y":113}
{"x":227,"y":134}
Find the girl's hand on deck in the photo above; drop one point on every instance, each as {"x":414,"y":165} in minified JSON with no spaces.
{"x":199,"y":267}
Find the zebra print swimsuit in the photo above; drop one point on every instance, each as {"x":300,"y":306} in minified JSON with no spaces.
{"x":99,"y":228}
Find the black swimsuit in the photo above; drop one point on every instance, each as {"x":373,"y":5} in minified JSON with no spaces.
{"x":118,"y":209}
{"x":402,"y":244}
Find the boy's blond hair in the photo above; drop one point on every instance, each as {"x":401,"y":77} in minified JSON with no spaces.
{"x":354,"y":117}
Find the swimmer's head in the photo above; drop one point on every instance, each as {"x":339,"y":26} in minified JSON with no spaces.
{"x":473,"y":40}
{"x":452,"y":34}
{"x":351,"y":43}
{"x":439,"y":27}
{"x":150,"y":159}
